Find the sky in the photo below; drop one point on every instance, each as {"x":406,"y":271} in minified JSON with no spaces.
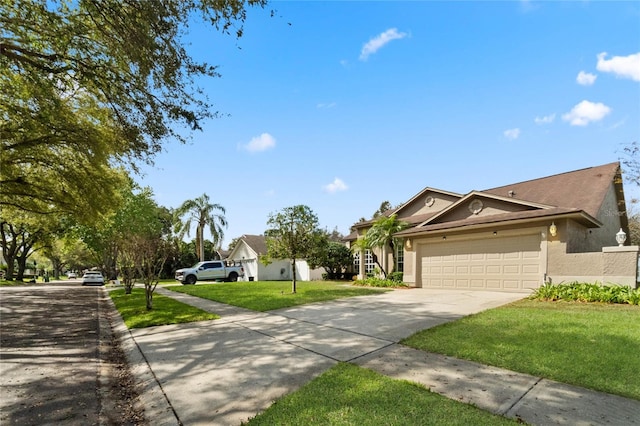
{"x":343,"y":105}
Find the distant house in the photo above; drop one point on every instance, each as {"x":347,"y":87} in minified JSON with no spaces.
{"x":559,"y":228}
{"x":250,"y":248}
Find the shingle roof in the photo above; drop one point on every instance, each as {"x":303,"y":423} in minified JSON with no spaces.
{"x":578,"y":193}
{"x":583,"y":189}
{"x":257,"y":242}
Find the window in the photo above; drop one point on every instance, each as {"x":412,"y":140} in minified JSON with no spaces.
{"x":369,"y":264}
{"x":399,"y":258}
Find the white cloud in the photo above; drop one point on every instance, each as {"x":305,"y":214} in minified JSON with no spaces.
{"x":547,"y":119}
{"x":622,"y":66}
{"x":376,"y":43}
{"x":585,"y":78}
{"x":335,"y":186}
{"x":260,"y":143}
{"x":512,"y":134}
{"x":269,"y":193}
{"x":326,"y":105}
{"x":586,"y":112}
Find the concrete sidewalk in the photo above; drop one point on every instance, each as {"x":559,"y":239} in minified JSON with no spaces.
{"x":226,"y":371}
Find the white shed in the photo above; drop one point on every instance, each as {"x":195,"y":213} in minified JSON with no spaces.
{"x":248,"y":251}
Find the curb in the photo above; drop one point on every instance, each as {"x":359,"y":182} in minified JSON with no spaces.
{"x":157,"y":408}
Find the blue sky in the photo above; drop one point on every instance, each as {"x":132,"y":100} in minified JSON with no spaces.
{"x":343,"y":105}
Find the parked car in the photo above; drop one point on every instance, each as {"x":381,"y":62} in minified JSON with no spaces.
{"x":92,"y":277}
{"x":210,"y":270}
{"x":72,"y":275}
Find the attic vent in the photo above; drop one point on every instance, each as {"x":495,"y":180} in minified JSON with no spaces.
{"x":512,"y":193}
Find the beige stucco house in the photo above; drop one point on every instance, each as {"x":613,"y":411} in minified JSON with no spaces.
{"x":559,"y":228}
{"x":250,"y":248}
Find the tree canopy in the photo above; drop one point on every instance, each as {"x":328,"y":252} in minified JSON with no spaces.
{"x":86,"y":83}
{"x":202,"y":212}
{"x":293,"y":233}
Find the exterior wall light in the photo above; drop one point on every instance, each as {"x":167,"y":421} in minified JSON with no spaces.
{"x":621,"y":237}
{"x":553,"y":229}
{"x":408,"y":243}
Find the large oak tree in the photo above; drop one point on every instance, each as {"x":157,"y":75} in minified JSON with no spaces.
{"x":84,"y":84}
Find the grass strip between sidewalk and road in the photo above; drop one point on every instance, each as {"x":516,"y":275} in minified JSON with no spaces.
{"x":269,"y":295}
{"x":133,"y":309}
{"x":351,"y":395}
{"x":593,"y":345}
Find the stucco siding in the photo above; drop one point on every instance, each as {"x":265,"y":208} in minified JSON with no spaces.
{"x":489,"y":207}
{"x":612,"y":265}
{"x":419,"y":206}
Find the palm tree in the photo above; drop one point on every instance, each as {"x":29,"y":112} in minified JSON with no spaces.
{"x":381,"y":234}
{"x":201,"y":211}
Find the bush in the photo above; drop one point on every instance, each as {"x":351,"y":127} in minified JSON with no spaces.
{"x":379,"y":282}
{"x":395,"y":276}
{"x":588,"y":292}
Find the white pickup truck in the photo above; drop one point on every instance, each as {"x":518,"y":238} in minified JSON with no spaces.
{"x":210,"y":270}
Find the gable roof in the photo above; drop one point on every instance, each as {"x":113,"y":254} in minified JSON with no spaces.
{"x":257,"y":243}
{"x":578,"y":194}
{"x":583,"y":189}
{"x":419,"y":195}
{"x":479,"y":194}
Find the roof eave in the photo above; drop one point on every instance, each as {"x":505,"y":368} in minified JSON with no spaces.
{"x":581,"y":216}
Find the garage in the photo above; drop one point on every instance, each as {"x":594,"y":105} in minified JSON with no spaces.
{"x":498,"y":263}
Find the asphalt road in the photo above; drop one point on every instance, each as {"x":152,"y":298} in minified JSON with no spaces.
{"x":57,"y":363}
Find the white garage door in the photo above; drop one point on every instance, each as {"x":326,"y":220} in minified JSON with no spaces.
{"x":500,"y":263}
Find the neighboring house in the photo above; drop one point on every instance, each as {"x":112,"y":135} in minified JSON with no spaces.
{"x":250,"y":248}
{"x":559,"y":228}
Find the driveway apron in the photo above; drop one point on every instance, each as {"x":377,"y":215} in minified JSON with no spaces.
{"x":226,"y":371}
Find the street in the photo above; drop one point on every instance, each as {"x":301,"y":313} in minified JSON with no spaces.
{"x":59,"y":363}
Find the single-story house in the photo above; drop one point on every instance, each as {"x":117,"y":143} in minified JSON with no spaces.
{"x":248,"y":251}
{"x":559,"y":228}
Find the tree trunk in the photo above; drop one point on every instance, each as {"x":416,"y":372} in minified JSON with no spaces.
{"x":293,"y":266}
{"x":375,"y":260}
{"x":149,"y":297}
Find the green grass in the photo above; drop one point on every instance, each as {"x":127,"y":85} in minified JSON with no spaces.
{"x":268,"y":295}
{"x":6,"y":283}
{"x":595,"y":346}
{"x":165,"y":310}
{"x":352,"y":395}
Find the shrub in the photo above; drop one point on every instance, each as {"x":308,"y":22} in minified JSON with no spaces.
{"x":588,"y":292}
{"x":379,"y":282}
{"x":395,"y":276}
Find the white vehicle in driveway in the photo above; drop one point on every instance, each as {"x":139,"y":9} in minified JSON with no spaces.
{"x":92,"y":278}
{"x":210,"y":270}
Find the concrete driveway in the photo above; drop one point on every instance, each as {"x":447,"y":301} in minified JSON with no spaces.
{"x":226,"y":371}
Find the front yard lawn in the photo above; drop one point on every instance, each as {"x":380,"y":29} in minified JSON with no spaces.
{"x":133,"y":308}
{"x":592,"y":345}
{"x":352,"y":395}
{"x":269,"y":295}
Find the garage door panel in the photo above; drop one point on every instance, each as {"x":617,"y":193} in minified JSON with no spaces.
{"x":508,"y":263}
{"x":511,"y":284}
{"x":493,"y":269}
{"x":492,"y":284}
{"x":462,"y":283}
{"x":511,"y":269}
